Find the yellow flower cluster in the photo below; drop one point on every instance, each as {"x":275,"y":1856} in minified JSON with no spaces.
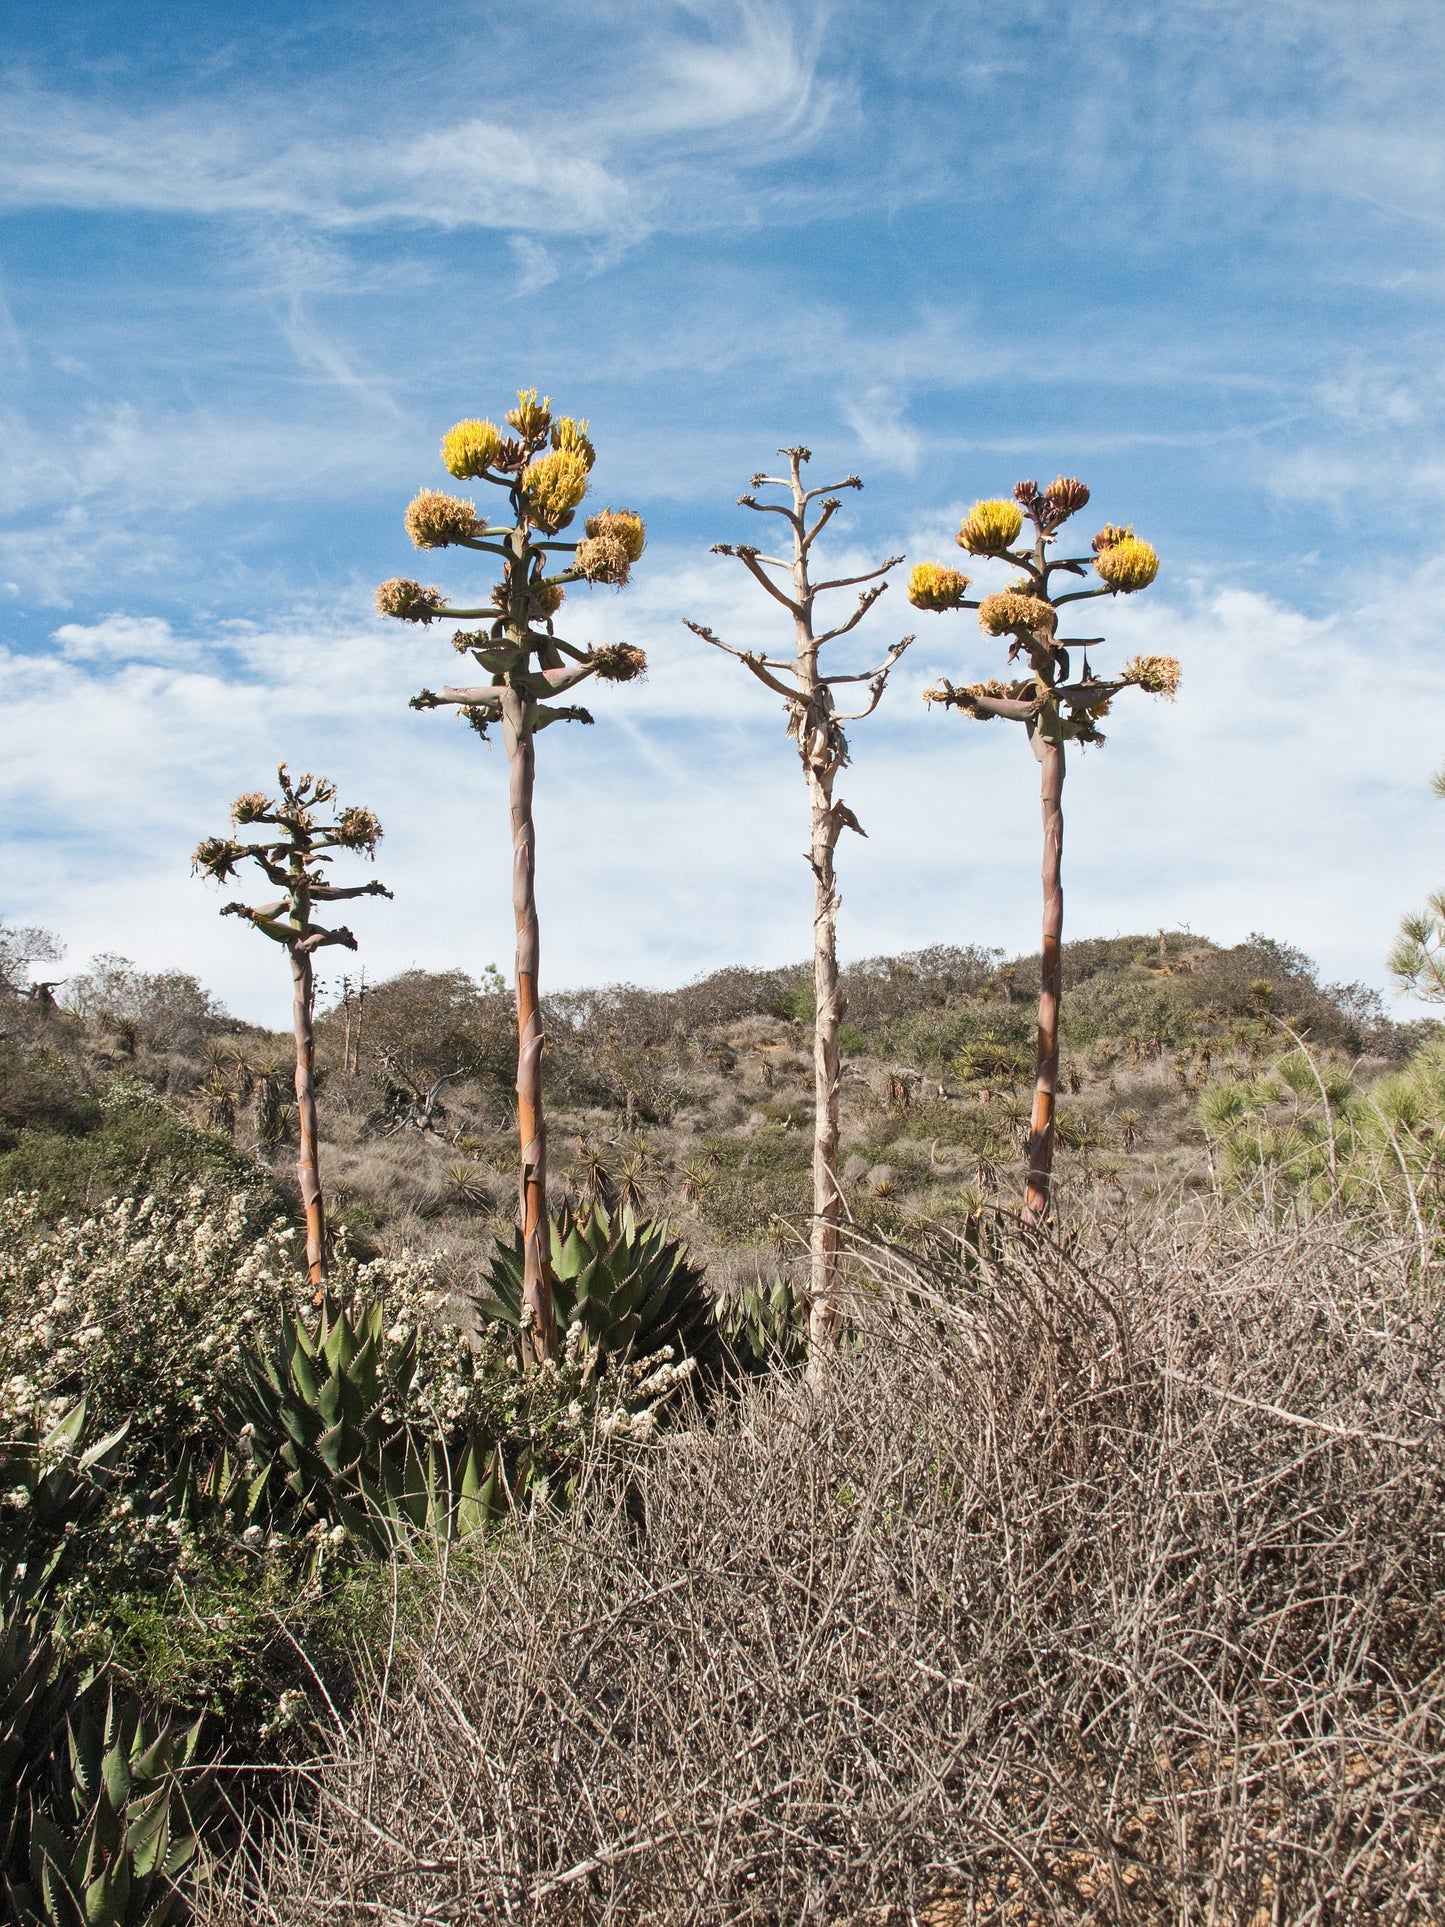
{"x":571,"y":438}
{"x":932,"y":586}
{"x":1127,"y":565}
{"x":409,"y":601}
{"x":627,"y":526}
{"x":603,"y":558}
{"x":553,"y":486}
{"x":1011,"y":610}
{"x":619,"y":662}
{"x":469,"y":449}
{"x":989,"y":527}
{"x":531,"y":418}
{"x":1156,"y":675}
{"x":433,"y":520}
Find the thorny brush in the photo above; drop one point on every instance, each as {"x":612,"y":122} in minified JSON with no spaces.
{"x":1100,"y":1583}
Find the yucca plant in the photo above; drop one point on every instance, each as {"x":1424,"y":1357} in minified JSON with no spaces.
{"x":1055,"y":706}
{"x":816,"y":725}
{"x":628,"y":1286}
{"x":542,"y":468}
{"x":295,"y":861}
{"x":323,"y":1414}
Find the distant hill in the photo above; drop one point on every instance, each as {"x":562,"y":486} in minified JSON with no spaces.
{"x":694,"y":1103}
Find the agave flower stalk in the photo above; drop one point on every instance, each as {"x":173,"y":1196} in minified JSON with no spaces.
{"x":541,"y":470}
{"x":295,"y":859}
{"x":1054,"y":705}
{"x":817,"y":727}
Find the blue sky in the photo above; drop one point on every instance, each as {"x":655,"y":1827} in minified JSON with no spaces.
{"x":255,"y":259}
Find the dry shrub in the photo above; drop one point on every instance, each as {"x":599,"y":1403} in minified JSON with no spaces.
{"x":1098,"y":1587}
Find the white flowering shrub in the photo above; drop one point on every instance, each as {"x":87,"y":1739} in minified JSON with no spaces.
{"x":140,"y":1309}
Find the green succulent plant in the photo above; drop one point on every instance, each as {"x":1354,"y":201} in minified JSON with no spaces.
{"x":113,"y":1830}
{"x":628,"y":1287}
{"x":765,"y":1326}
{"x":55,"y":1488}
{"x":330,"y":1445}
{"x":94,"y":1827}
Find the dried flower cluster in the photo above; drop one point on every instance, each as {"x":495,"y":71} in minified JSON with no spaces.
{"x":434,"y":520}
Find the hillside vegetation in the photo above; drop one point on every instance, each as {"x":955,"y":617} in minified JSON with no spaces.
{"x":694,"y":1104}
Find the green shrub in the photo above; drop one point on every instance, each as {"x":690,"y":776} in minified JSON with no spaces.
{"x":124,"y":1140}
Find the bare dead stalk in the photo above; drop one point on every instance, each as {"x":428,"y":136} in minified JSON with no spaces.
{"x":817,"y":727}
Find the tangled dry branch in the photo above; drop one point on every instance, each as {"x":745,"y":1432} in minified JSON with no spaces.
{"x":1097,"y":1586}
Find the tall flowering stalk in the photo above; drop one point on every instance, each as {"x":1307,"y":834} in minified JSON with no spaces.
{"x":295,"y":860}
{"x":1055,"y":706}
{"x":816,"y":726}
{"x":542,"y":470}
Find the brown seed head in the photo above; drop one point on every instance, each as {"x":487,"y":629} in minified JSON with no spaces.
{"x":619,"y":662}
{"x":1012,"y":613}
{"x":1156,"y":675}
{"x":603,"y":558}
{"x":546,"y":597}
{"x":358,"y":829}
{"x":409,"y":601}
{"x":434,"y":520}
{"x":253,"y":807}
{"x":218,"y":857}
{"x":626,"y":525}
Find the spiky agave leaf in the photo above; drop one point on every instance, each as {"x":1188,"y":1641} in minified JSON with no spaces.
{"x":629,"y":1286}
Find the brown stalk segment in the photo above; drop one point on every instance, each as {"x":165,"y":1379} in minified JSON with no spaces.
{"x":308,"y":1170}
{"x":539,"y":1318}
{"x":1051,"y":982}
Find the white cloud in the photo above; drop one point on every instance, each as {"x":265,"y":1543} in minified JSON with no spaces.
{"x":1287,"y":790}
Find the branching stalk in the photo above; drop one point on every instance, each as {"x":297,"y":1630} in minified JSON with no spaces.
{"x":816,"y":726}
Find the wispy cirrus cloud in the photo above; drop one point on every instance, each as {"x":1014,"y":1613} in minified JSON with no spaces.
{"x":613,"y":154}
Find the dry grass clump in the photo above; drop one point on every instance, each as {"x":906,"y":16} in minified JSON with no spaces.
{"x":1101,"y":1586}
